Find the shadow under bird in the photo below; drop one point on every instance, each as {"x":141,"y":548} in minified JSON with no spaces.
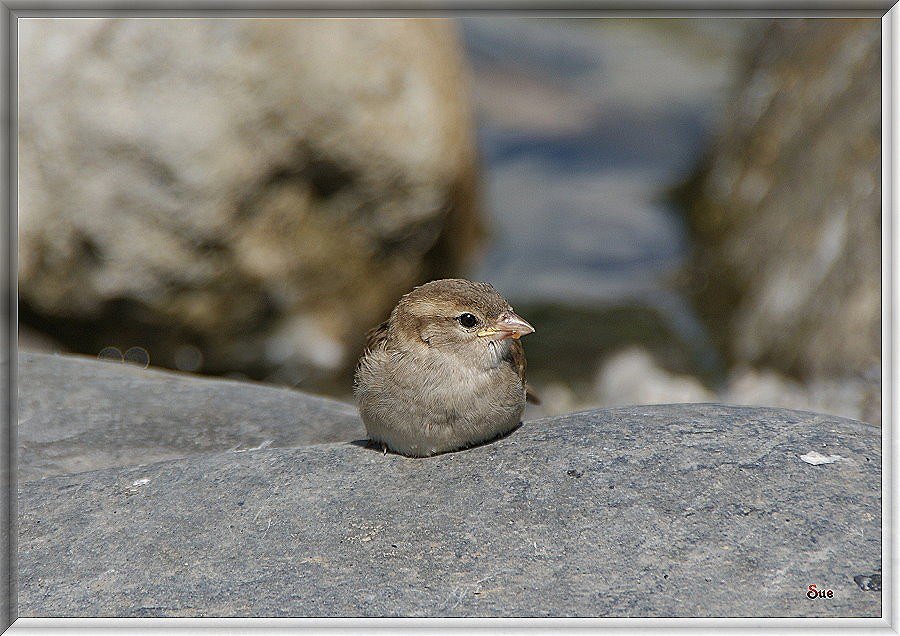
{"x":446,"y":371}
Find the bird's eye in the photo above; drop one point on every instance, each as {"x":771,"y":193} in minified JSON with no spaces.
{"x":467,"y":320}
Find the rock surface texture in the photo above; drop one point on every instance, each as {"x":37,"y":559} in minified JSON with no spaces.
{"x":692,"y":510}
{"x":77,"y":414}
{"x":258,"y":191}
{"x":789,"y":209}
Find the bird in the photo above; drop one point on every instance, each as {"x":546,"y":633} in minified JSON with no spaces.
{"x":446,"y":370}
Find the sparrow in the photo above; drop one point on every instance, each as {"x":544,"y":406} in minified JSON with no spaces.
{"x":445,"y":371}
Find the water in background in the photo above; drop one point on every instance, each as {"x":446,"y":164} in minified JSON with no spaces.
{"x":584,"y":127}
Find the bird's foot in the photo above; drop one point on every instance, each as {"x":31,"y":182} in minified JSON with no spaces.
{"x":371,"y":443}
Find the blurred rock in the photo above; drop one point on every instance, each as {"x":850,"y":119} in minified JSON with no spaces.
{"x":752,"y":386}
{"x":31,"y":340}
{"x":261,"y":191}
{"x":848,"y":397}
{"x":632,"y":376}
{"x":78,"y":414}
{"x":788,"y":210}
{"x":557,"y":398}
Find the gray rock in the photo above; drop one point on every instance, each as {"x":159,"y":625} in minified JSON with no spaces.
{"x":788,"y":211}
{"x":77,"y":414}
{"x":691,"y":510}
{"x":260,"y":191}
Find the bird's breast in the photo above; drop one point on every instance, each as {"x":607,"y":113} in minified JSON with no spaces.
{"x":470,"y":385}
{"x":422,"y":403}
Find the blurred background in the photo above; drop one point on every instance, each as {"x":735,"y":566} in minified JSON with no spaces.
{"x":686,"y":209}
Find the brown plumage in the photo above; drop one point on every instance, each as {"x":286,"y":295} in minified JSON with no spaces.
{"x":445,"y":371}
{"x":378,"y":335}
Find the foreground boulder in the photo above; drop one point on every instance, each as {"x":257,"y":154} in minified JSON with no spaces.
{"x":691,"y":510}
{"x":238,"y":195}
{"x":77,"y":414}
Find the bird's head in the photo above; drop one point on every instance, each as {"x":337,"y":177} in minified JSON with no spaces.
{"x":458,"y":315}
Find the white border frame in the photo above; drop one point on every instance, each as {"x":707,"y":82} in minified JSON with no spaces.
{"x":13,"y":9}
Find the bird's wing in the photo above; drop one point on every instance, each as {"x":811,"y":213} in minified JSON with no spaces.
{"x":518,"y":357}
{"x":518,"y":361}
{"x":376,"y":336}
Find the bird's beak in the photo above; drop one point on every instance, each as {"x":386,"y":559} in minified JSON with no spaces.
{"x":508,"y":325}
